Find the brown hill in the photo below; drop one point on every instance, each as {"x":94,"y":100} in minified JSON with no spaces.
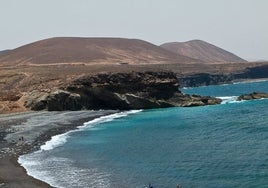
{"x":90,"y":50}
{"x":202,"y":50}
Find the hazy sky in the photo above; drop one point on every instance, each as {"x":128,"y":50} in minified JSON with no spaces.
{"x":239,"y":26}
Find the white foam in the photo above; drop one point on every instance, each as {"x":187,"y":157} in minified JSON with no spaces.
{"x":41,"y":170}
{"x":53,"y":171}
{"x":59,"y":140}
{"x":251,"y":81}
{"x":107,"y":118}
{"x":228,"y":99}
{"x":55,"y":141}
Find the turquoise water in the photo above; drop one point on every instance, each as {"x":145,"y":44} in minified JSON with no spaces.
{"x":213,"y":146}
{"x":229,"y":90}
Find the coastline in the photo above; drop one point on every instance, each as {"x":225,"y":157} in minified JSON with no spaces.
{"x":249,"y":80}
{"x":236,"y":81}
{"x":20,"y":134}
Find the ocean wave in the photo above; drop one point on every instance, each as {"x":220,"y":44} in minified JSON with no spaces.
{"x":228,"y":99}
{"x":53,"y":171}
{"x":35,"y":168}
{"x":55,"y":141}
{"x":107,"y":118}
{"x":250,"y":81}
{"x":60,"y":139}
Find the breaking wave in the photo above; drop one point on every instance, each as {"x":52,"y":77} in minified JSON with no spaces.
{"x":60,"y":139}
{"x":228,"y":99}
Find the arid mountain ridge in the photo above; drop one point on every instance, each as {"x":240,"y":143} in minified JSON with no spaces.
{"x":91,"y":50}
{"x":114,"y":50}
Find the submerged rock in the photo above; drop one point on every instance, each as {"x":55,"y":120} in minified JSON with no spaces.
{"x":252,"y":96}
{"x":123,"y":91}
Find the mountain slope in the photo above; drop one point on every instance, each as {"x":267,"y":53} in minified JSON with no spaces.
{"x":202,"y":50}
{"x":4,"y":51}
{"x":90,"y":50}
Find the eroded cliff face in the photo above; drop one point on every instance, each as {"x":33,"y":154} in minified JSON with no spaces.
{"x":123,"y":91}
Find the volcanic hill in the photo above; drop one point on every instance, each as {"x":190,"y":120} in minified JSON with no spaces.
{"x":91,"y":50}
{"x":202,"y":50}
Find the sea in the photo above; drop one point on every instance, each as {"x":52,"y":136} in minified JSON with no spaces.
{"x":223,"y":145}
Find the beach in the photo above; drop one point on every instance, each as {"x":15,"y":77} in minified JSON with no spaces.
{"x":22,"y":133}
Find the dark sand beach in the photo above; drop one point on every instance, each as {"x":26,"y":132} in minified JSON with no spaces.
{"x":21,"y":133}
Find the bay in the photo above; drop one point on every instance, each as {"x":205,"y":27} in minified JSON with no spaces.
{"x":212,"y":146}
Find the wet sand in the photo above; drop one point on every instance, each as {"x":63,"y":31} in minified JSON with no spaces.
{"x":21,"y":133}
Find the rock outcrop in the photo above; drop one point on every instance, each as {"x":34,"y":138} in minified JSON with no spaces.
{"x":57,"y":100}
{"x":252,"y":96}
{"x":123,"y":91}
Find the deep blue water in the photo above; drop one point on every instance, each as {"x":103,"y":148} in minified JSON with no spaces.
{"x":213,"y":146}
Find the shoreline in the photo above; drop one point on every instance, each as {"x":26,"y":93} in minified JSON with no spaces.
{"x":236,"y":81}
{"x":20,"y":134}
{"x":249,"y":80}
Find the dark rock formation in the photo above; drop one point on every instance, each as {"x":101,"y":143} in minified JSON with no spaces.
{"x":252,"y":96}
{"x":204,"y":79}
{"x":255,"y":72}
{"x":123,"y":91}
{"x":63,"y":100}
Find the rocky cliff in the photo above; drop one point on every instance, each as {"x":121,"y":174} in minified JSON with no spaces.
{"x":124,"y":91}
{"x":204,"y":79}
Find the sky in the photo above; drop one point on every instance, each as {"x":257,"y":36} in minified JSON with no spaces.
{"x":238,"y":26}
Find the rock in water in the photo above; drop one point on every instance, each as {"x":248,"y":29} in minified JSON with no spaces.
{"x":252,"y":96}
{"x":123,"y":91}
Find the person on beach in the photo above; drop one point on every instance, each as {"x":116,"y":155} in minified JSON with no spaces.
{"x":150,"y":185}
